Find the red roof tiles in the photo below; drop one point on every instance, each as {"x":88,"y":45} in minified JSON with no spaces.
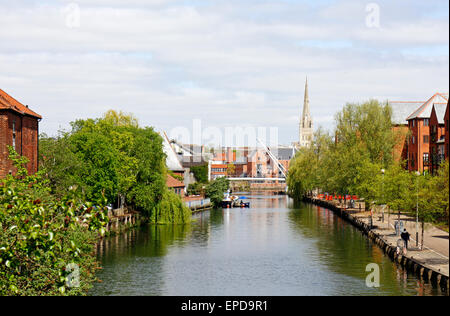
{"x":173,"y":183}
{"x":7,"y":102}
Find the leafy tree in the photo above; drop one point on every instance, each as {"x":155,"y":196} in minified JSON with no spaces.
{"x":115,"y":158}
{"x":364,"y":145}
{"x":215,"y":190}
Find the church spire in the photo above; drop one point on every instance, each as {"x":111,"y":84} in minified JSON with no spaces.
{"x":305,"y":114}
{"x":306,"y":126}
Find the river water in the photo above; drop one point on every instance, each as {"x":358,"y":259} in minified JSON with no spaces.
{"x":273,"y":248}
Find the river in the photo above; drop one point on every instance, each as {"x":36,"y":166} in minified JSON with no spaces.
{"x":272,"y":248}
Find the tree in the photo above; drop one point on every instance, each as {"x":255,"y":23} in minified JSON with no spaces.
{"x":231,"y":169}
{"x":115,"y":158}
{"x":200,"y":173}
{"x":215,"y":190}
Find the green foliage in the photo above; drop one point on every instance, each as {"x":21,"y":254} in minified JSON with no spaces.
{"x":196,"y":188}
{"x":215,"y":190}
{"x":200,"y":173}
{"x":111,"y":157}
{"x":353,"y":163}
{"x":171,"y":210}
{"x":41,"y":235}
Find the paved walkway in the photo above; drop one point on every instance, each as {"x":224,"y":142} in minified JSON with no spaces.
{"x":435,"y":253}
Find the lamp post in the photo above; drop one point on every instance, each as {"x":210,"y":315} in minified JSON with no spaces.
{"x":382,"y":190}
{"x":417,"y":210}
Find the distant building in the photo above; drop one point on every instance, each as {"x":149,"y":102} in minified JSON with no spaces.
{"x":437,"y":136}
{"x":306,"y":125}
{"x":447,"y":150}
{"x":172,"y":162}
{"x":420,"y":126}
{"x":19,"y":128}
{"x":175,"y":185}
{"x":420,"y":134}
{"x":400,"y":111}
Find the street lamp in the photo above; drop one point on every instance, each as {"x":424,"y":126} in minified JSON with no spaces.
{"x":417,"y":210}
{"x":382,"y":190}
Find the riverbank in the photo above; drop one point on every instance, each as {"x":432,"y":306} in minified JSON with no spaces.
{"x":426,"y":264}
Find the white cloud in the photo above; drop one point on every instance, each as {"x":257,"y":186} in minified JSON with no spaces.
{"x":226,"y":62}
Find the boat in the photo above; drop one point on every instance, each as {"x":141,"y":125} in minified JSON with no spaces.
{"x":240,"y":203}
{"x":234,"y":201}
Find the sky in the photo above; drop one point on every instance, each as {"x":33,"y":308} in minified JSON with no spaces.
{"x":224,"y":62}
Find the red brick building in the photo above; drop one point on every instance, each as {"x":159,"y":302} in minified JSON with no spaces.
{"x":175,"y":185}
{"x":446,"y":148}
{"x":437,"y":136}
{"x":19,"y":128}
{"x":419,"y":156}
{"x":400,"y":111}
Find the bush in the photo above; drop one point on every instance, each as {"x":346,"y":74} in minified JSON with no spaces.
{"x":42,"y":238}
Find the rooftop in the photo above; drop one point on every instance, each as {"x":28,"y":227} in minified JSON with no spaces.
{"x":440,"y":108}
{"x":172,"y":161}
{"x":401,"y":110}
{"x":7,"y":102}
{"x":424,"y":111}
{"x":173,"y":183}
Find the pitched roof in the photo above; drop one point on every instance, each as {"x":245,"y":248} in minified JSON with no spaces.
{"x":440,"y":108}
{"x":401,"y":110}
{"x":7,"y":102}
{"x":424,"y":111}
{"x":284,"y":153}
{"x":172,"y":161}
{"x":173,"y":183}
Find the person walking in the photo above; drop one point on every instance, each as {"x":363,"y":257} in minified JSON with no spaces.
{"x":405,"y":237}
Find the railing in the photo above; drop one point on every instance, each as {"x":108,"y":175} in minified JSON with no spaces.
{"x":198,"y":204}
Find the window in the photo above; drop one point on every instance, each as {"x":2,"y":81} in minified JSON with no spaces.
{"x":14,"y":135}
{"x":413,"y":139}
{"x":413,"y":123}
{"x":426,"y":122}
{"x":426,"y":139}
{"x":425,"y":158}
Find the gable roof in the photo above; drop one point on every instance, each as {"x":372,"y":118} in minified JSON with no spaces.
{"x":7,"y":102}
{"x":439,"y":109}
{"x":424,"y":111}
{"x":172,"y":161}
{"x":401,"y":110}
{"x":284,"y":153}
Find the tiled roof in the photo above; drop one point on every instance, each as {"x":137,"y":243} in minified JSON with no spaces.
{"x":7,"y":102}
{"x":173,"y":183}
{"x":402,"y":109}
{"x":440,"y":108}
{"x":283,"y":153}
{"x":424,"y":111}
{"x":172,"y":161}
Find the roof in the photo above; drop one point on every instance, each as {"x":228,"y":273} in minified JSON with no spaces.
{"x":284,"y":153}
{"x":173,"y":183}
{"x":172,"y":161}
{"x":440,"y":108}
{"x":424,"y":111}
{"x":402,"y":109}
{"x":7,"y":102}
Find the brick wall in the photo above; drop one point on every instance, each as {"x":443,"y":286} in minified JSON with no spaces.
{"x":26,"y":140}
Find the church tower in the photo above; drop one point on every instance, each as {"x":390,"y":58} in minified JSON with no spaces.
{"x":306,"y":125}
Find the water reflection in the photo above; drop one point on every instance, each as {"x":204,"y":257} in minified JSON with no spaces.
{"x":273,"y":248}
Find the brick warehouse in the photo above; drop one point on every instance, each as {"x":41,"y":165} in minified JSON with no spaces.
{"x":19,"y":127}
